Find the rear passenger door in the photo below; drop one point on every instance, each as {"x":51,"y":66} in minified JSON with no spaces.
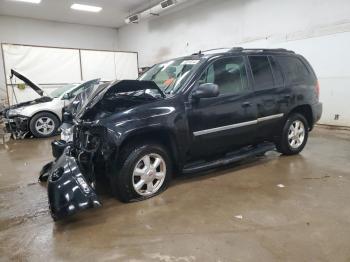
{"x":299,"y":80}
{"x":268,"y":83}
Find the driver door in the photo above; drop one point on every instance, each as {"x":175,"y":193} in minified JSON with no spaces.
{"x":223,"y":123}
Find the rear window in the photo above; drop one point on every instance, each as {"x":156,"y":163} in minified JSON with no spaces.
{"x":295,"y":71}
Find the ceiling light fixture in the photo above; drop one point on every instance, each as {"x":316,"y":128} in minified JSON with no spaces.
{"x":29,"y":1}
{"x":87,"y":8}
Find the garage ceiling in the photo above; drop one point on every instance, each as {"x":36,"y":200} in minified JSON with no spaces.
{"x":112,"y":14}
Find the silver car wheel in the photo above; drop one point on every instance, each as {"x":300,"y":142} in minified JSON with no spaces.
{"x":45,"y":125}
{"x":149,"y":174}
{"x":296,"y":134}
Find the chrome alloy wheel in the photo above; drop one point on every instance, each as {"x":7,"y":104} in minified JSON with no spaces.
{"x":296,"y":134}
{"x":149,"y":174}
{"x":45,"y":125}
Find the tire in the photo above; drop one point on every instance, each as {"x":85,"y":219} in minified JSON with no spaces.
{"x":291,"y":143}
{"x":44,"y":124}
{"x":125,"y":177}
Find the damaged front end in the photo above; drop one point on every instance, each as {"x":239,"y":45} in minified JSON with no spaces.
{"x":72,"y":177}
{"x":89,"y":156}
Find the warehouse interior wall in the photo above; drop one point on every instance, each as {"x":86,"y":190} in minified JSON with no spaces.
{"x":16,"y":30}
{"x":317,"y":29}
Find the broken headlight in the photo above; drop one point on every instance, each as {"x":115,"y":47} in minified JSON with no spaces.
{"x":67,"y":134}
{"x":15,"y":112}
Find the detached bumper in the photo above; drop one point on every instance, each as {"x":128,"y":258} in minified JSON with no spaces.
{"x":68,"y":190}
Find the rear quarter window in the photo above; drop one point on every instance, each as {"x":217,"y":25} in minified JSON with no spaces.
{"x":295,"y":71}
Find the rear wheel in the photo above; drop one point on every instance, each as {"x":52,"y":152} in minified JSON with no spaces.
{"x":44,"y":124}
{"x":143,"y":172}
{"x":294,"y":135}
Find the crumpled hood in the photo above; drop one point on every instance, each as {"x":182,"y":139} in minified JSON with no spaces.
{"x":118,"y":88}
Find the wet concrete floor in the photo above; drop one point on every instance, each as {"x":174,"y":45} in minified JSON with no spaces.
{"x":271,"y":208}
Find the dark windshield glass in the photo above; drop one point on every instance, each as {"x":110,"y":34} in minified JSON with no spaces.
{"x":171,"y":74}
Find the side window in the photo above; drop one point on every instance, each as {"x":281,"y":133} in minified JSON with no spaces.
{"x":294,"y":69}
{"x":82,"y":88}
{"x":262,"y":73}
{"x":277,"y":72}
{"x":228,"y":73}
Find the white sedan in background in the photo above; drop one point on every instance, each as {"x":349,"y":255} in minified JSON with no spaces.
{"x":41,"y":117}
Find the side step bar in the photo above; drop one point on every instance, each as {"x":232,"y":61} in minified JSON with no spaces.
{"x":229,"y":158}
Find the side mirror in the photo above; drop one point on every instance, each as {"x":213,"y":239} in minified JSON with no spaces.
{"x":206,"y":91}
{"x":67,"y":96}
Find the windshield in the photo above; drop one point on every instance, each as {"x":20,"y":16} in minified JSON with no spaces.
{"x":170,"y":75}
{"x":61,"y":90}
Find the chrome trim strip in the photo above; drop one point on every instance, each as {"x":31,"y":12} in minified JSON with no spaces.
{"x":222,"y":128}
{"x":265,"y":118}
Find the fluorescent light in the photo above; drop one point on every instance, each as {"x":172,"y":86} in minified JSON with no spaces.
{"x":87,"y":8}
{"x":29,"y":1}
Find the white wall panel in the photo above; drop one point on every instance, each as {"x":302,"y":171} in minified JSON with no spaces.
{"x":109,"y":65}
{"x":125,"y":65}
{"x":43,"y":65}
{"x":48,"y":33}
{"x":98,"y":64}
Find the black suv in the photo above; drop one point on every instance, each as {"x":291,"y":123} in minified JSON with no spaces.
{"x":185,"y":115}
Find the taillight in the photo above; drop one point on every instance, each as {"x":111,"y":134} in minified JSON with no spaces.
{"x":317,"y":89}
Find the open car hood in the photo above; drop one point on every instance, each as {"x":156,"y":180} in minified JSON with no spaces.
{"x":133,"y":85}
{"x":122,"y":86}
{"x":27,"y":81}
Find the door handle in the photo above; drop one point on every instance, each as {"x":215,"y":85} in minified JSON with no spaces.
{"x":246,"y":104}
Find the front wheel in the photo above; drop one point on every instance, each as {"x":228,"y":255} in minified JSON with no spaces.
{"x":294,"y":135}
{"x":143,"y":172}
{"x":44,"y":124}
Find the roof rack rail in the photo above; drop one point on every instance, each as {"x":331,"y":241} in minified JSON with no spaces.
{"x":200,"y":52}
{"x":241,"y":49}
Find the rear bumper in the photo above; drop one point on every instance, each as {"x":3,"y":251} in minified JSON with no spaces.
{"x":317,"y":112}
{"x":68,"y":190}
